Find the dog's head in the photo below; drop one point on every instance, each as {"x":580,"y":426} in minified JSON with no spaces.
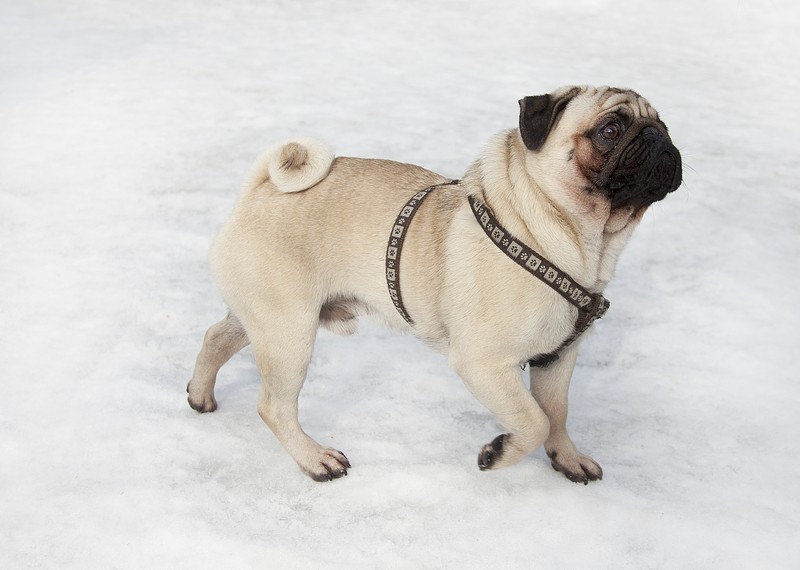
{"x":610,"y":141}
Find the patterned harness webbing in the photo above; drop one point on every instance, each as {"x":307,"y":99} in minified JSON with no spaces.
{"x":536,"y":264}
{"x":591,"y":306}
{"x":395,"y":247}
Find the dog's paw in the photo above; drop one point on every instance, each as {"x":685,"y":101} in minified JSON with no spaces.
{"x":492,"y":452}
{"x":329,"y":465}
{"x":576,"y":467}
{"x":201,"y":402}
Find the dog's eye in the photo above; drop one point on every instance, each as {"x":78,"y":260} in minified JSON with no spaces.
{"x":611,"y":131}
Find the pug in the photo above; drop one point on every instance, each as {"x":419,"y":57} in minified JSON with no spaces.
{"x":501,"y":270}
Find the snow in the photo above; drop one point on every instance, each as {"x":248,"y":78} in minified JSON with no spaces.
{"x":126,"y":129}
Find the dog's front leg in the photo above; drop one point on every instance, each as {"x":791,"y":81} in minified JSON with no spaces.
{"x":550,"y":387}
{"x":503,"y":392}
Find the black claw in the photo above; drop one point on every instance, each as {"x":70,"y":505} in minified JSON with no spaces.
{"x":485,"y":458}
{"x":330,"y":474}
{"x":491,"y":452}
{"x":346,"y":461}
{"x":577,"y":477}
{"x":583,"y":477}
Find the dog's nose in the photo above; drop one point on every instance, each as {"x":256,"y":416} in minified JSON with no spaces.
{"x":662,"y":160}
{"x":648,"y":168}
{"x":667,"y":169}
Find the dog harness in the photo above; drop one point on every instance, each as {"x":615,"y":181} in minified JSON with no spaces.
{"x":591,"y":306}
{"x":395,"y":247}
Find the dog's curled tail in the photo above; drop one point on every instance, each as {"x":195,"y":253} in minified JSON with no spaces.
{"x":294,"y":165}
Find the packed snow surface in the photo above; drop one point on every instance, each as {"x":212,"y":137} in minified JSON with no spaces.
{"x":126,"y":129}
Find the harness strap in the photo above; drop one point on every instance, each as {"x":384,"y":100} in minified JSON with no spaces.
{"x":395,"y":247}
{"x":536,"y":264}
{"x":591,"y":306}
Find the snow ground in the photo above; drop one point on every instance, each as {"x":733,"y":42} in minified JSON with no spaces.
{"x":125,"y":130}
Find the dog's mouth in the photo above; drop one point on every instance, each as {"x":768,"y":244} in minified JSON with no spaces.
{"x":642,"y":168}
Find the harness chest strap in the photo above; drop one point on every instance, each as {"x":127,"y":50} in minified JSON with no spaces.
{"x":593,"y":305}
{"x":590,"y":306}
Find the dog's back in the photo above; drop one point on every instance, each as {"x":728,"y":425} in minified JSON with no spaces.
{"x":312,"y":229}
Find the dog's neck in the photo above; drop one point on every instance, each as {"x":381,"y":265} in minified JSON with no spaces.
{"x":579,"y":244}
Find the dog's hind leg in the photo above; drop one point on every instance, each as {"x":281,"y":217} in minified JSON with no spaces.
{"x":282,"y":345}
{"x":222,"y":341}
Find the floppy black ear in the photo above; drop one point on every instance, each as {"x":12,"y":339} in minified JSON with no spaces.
{"x":538,"y":114}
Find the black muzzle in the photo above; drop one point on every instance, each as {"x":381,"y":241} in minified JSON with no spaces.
{"x":642,"y":168}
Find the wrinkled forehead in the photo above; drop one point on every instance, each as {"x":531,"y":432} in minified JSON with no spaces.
{"x":595,"y":101}
{"x":610,"y":99}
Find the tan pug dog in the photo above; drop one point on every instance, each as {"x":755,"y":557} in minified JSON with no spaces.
{"x":306,"y":246}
